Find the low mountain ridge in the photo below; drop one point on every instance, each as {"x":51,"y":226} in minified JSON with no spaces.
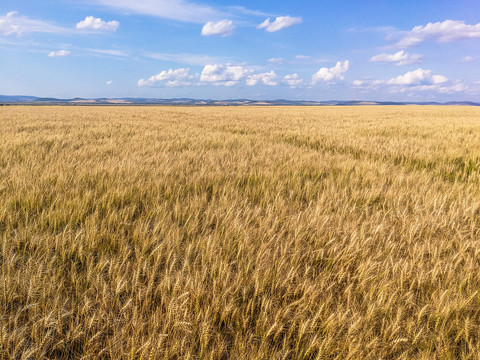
{"x":33,"y":100}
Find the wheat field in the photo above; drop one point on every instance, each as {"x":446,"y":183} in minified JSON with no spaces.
{"x":239,"y":233}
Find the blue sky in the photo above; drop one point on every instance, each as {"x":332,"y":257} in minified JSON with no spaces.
{"x":313,"y":50}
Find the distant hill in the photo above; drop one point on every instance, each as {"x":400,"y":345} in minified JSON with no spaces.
{"x":33,"y":100}
{"x":16,"y":99}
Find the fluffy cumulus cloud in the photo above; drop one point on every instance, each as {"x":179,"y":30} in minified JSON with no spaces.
{"x":446,"y":31}
{"x":12,"y":24}
{"x":334,"y":73}
{"x":293,"y":80}
{"x":59,"y":53}
{"x":265,"y":78}
{"x":399,"y":58}
{"x":279,"y":23}
{"x":224,"y":74}
{"x":416,"y":80}
{"x":178,"y":77}
{"x":97,"y":24}
{"x":109,"y":82}
{"x":222,"y":28}
{"x":418,"y":77}
{"x":212,"y":74}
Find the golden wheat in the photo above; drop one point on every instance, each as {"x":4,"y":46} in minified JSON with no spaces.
{"x":241,"y":233}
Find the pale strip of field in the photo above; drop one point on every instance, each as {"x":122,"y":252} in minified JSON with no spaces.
{"x":243,"y":233}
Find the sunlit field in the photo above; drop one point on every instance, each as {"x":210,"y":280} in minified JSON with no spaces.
{"x":239,"y":233}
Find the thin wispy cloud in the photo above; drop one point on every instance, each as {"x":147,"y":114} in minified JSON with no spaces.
{"x":14,"y":24}
{"x":108,"y":52}
{"x":187,"y":58}
{"x":235,"y":9}
{"x":180,"y":10}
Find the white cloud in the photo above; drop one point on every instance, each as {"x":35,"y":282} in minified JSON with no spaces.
{"x":59,"y":53}
{"x":92,"y":23}
{"x":213,"y":74}
{"x":11,"y":24}
{"x":418,"y":77}
{"x":333,"y":73}
{"x":417,"y":80}
{"x":468,"y":59}
{"x":302,"y":57}
{"x":223,"y":74}
{"x":279,"y":23}
{"x":222,"y":28}
{"x":446,"y":31}
{"x":109,"y":82}
{"x":278,"y":60}
{"x":266,"y":78}
{"x":178,"y":77}
{"x":399,"y":58}
{"x":181,"y":10}
{"x":293,"y":80}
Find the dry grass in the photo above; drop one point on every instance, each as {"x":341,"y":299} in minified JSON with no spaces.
{"x":240,"y":233}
